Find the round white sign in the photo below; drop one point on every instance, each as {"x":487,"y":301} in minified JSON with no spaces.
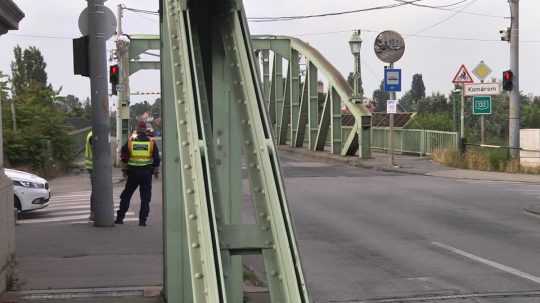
{"x":389,"y":46}
{"x":110,"y":22}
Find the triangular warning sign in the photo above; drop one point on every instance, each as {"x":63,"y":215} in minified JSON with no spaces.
{"x":463,"y":76}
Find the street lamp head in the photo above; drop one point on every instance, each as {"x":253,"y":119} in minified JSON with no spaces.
{"x":355,"y":42}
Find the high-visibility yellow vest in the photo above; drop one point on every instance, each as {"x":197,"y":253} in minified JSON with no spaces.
{"x":88,"y":152}
{"x":140,"y":152}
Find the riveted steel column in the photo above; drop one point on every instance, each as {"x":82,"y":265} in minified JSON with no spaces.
{"x":177,"y":273}
{"x":265,"y":56}
{"x":277,"y":83}
{"x":302,"y":115}
{"x":324,"y":123}
{"x":313,"y":105}
{"x":294,"y":74}
{"x":335,"y":122}
{"x":285,"y":116}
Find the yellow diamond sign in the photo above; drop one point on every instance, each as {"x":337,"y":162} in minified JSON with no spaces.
{"x":482,"y":71}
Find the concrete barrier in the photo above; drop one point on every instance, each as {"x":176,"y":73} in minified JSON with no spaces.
{"x":7,"y":232}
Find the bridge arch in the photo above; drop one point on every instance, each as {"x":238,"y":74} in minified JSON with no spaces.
{"x":299,"y":112}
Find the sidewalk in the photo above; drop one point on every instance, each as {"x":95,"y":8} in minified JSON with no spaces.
{"x":411,"y":165}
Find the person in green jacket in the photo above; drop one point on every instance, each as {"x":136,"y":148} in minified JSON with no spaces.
{"x":88,"y":163}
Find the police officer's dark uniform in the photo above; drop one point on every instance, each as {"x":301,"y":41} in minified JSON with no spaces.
{"x":142,"y":158}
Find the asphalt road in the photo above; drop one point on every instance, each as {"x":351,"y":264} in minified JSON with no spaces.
{"x":362,"y":234}
{"x":366,"y":234}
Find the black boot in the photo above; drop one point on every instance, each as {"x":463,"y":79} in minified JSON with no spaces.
{"x":119,"y":220}
{"x":142,"y":222}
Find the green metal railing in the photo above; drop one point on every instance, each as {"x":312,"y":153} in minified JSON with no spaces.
{"x":414,"y":141}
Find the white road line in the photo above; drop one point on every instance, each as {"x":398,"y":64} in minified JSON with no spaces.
{"x":493,"y":264}
{"x":57,"y":219}
{"x":87,"y":222}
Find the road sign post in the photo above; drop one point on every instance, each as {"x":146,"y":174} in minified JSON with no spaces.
{"x":461,"y":78}
{"x":482,"y":107}
{"x":390,"y":47}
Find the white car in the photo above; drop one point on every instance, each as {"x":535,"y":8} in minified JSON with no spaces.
{"x":31,"y":191}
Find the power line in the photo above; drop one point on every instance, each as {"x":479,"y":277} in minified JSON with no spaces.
{"x":446,"y":8}
{"x":142,"y":11}
{"x":329,"y":14}
{"x":39,"y":36}
{"x":447,"y":18}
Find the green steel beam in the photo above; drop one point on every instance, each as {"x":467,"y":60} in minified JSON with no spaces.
{"x":265,"y":56}
{"x":335,"y":122}
{"x":313,"y":105}
{"x":351,"y":143}
{"x":279,"y":46}
{"x":283,"y":127}
{"x":294,"y":101}
{"x":177,"y":273}
{"x":135,"y":66}
{"x":199,"y":210}
{"x":213,"y":95}
{"x":300,"y":131}
{"x":142,"y":43}
{"x":277,"y":85}
{"x":285,"y":277}
{"x":272,"y":99}
{"x":324,"y":124}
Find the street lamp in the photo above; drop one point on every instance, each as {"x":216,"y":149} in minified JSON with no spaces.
{"x":356,"y":44}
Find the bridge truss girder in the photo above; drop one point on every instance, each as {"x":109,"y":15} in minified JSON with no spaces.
{"x":298,"y":118}
{"x":214,"y":112}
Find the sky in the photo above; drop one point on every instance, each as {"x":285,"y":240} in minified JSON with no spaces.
{"x":437,"y":42}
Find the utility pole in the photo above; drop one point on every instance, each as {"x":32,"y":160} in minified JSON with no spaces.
{"x":122,"y":106}
{"x":102,"y":158}
{"x":514,"y":116}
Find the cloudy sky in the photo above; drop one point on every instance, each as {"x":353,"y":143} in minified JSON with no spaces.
{"x":437,"y":41}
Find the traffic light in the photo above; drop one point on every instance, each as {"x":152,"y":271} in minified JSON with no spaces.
{"x":114,"y":75}
{"x":508,"y":80}
{"x":80,"y":56}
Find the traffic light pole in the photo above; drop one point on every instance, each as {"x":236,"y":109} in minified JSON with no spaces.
{"x":122,"y":106}
{"x":102,"y":158}
{"x":514,"y":116}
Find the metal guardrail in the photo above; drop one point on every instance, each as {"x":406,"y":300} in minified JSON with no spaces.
{"x":414,"y":141}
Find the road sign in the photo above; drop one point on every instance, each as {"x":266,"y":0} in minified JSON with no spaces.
{"x":482,"y":105}
{"x":392,"y":80}
{"x":389,"y":46}
{"x":391,"y":106}
{"x":482,"y":89}
{"x":109,"y":16}
{"x":463,"y":76}
{"x":482,"y":71}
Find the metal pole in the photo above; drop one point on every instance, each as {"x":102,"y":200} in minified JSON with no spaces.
{"x":462,"y":115}
{"x":119,"y":100}
{"x":514,"y":117}
{"x":391,"y":135}
{"x":102,"y":158}
{"x":482,"y":129}
{"x":122,"y":106}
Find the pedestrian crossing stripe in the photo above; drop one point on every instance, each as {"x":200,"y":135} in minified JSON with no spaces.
{"x":68,"y":208}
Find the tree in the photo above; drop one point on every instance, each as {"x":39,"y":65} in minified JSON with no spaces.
{"x":28,"y":69}
{"x":156,"y":108}
{"x":418,"y":89}
{"x":380,"y":97}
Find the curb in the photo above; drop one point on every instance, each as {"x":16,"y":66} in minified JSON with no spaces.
{"x":350,"y":162}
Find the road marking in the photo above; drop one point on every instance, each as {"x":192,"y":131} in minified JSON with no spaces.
{"x":493,"y":264}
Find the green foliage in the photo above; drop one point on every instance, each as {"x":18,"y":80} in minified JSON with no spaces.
{"x":41,"y":140}
{"x":434,"y":121}
{"x":380,"y":97}
{"x":418,"y":89}
{"x":39,"y":122}
{"x":27,"y":69}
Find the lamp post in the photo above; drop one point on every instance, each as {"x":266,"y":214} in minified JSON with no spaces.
{"x":356,"y":44}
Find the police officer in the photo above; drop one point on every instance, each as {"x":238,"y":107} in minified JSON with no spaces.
{"x":88,"y":163}
{"x":142,"y":158}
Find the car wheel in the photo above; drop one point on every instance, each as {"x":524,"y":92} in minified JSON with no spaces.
{"x":17,"y":203}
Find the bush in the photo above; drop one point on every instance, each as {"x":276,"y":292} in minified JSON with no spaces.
{"x":434,"y":121}
{"x":41,"y":141}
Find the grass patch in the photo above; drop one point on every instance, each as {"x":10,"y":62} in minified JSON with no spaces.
{"x":496,"y":160}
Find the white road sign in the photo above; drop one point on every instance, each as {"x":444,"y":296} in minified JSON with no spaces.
{"x":482,"y":89}
{"x":391,"y":106}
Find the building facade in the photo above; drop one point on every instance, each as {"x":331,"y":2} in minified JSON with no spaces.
{"x":10,"y":16}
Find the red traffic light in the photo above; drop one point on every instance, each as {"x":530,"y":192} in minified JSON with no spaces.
{"x":508,"y":75}
{"x":508,"y":80}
